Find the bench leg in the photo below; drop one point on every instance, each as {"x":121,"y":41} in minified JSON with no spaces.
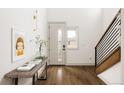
{"x":46,"y":70}
{"x":33,"y":80}
{"x":15,"y":80}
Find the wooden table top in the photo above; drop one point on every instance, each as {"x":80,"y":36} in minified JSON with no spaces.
{"x":26,"y":74}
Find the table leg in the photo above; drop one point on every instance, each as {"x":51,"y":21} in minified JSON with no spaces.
{"x":33,"y":80}
{"x":46,"y":70}
{"x":45,"y":77}
{"x":15,"y":81}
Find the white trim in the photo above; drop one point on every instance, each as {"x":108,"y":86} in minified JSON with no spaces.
{"x":80,"y":64}
{"x":56,"y":64}
{"x":104,"y":80}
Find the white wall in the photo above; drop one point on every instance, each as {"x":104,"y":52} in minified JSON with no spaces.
{"x":21,"y":19}
{"x":113,"y":74}
{"x":122,"y":43}
{"x":89,"y":23}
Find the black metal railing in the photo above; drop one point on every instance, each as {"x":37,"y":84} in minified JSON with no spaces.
{"x":109,"y":42}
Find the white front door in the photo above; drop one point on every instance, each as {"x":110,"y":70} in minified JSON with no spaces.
{"x":57,"y":43}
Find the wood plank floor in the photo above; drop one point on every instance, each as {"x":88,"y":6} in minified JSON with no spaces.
{"x":71,"y":75}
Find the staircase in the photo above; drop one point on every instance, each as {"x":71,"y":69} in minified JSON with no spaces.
{"x":108,"y":49}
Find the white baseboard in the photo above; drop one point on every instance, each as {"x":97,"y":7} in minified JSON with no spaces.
{"x":80,"y":64}
{"x":104,"y":80}
{"x":57,"y":64}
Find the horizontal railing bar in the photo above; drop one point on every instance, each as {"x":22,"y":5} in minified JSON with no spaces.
{"x":113,"y":25}
{"x":103,"y":43}
{"x":107,"y":48}
{"x":117,"y":45}
{"x":118,"y":48}
{"x":108,"y":34}
{"x":106,"y":56}
{"x":106,"y":44}
{"x":102,"y":49}
{"x":105,"y":51}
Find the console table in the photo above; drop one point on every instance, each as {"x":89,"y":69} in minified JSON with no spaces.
{"x":15,"y":75}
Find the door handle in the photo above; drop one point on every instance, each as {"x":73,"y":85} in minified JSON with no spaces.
{"x":63,"y":48}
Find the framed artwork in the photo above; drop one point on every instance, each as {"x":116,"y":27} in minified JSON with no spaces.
{"x":18,"y":45}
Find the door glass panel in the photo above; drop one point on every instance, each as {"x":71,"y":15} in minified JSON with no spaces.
{"x":59,"y":45}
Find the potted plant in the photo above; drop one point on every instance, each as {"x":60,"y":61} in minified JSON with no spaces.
{"x":40,"y":44}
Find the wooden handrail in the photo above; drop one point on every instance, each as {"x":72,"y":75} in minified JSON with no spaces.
{"x":114,"y":58}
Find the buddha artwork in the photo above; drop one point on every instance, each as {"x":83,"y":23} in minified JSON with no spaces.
{"x":19,"y":46}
